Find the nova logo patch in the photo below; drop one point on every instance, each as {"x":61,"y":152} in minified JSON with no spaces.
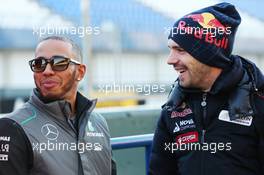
{"x":246,"y":121}
{"x":177,"y":128}
{"x":184,"y":124}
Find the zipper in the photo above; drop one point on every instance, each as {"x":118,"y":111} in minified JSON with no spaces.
{"x":71,"y":124}
{"x":204,"y":111}
{"x":204,"y":106}
{"x":203,"y":134}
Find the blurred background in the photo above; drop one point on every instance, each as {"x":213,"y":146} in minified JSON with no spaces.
{"x":124,"y":44}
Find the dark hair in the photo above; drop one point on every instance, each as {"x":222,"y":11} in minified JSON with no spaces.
{"x":75,"y":48}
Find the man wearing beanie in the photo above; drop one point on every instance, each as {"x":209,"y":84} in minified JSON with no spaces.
{"x":213,"y":121}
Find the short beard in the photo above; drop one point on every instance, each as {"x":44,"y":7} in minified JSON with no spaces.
{"x":65,"y":89}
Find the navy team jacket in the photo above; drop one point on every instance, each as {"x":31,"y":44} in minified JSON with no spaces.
{"x":213,"y":133}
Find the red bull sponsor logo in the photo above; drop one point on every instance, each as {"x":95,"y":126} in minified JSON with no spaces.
{"x":209,"y":28}
{"x":206,"y":20}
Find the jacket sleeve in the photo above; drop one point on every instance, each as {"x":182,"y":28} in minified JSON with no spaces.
{"x":162,"y":159}
{"x":259,"y":123}
{"x":16,"y":154}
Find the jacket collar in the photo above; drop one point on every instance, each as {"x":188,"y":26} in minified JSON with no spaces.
{"x":239,"y":80}
{"x":61,"y":109}
{"x":228,"y":79}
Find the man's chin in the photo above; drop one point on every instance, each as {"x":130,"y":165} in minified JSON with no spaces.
{"x":48,"y":97}
{"x":184,"y":84}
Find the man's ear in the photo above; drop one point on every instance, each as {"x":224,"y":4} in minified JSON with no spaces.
{"x":81,"y":72}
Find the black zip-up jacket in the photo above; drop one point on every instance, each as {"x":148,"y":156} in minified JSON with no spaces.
{"x":214,"y":133}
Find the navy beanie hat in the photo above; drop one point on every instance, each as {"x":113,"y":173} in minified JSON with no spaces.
{"x":208,"y":34}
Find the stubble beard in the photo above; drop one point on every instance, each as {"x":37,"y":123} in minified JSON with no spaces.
{"x":50,"y":96}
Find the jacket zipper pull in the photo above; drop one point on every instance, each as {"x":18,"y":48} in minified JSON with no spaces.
{"x":203,"y":103}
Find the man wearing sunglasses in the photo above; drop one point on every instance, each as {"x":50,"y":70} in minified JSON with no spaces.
{"x":56,"y":132}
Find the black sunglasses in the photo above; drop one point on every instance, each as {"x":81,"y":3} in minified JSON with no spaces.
{"x":57,"y":63}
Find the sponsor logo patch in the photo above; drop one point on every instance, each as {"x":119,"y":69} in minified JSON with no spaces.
{"x":5,"y":138}
{"x":177,"y":128}
{"x":91,"y":132}
{"x":50,"y":131}
{"x":90,"y":126}
{"x":189,"y":137}
{"x":224,"y":116}
{"x":94,"y":134}
{"x":183,"y":113}
{"x":4,"y":148}
{"x":3,"y":157}
{"x":184,"y":124}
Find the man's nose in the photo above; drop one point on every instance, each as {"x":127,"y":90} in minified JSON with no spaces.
{"x":48,"y":70}
{"x":172,"y":58}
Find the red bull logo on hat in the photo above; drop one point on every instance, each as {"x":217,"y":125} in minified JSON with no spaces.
{"x":206,"y":20}
{"x":210,"y":29}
